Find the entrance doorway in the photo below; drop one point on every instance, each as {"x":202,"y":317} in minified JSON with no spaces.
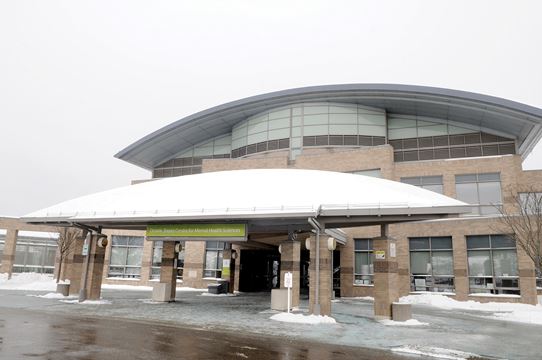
{"x":337,"y":273}
{"x":259,"y":271}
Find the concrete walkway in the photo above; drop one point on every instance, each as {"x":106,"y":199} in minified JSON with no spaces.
{"x":249,"y":313}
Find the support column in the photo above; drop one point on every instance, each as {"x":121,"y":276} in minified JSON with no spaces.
{"x":325,"y":284}
{"x":168,"y":272}
{"x":228,"y":269}
{"x":75,"y":266}
{"x":8,"y":256}
{"x":95,"y":268}
{"x":289,"y":262}
{"x":385,"y":274}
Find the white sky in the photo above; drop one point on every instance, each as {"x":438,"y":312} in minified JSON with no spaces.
{"x":80,"y":81}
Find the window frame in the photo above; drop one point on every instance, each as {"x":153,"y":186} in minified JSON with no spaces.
{"x":494,"y":290}
{"x":431,"y":277}
{"x":370,"y":253}
{"x":424,"y":182}
{"x":478,"y":206}
{"x":219,"y":250}
{"x":124,"y":274}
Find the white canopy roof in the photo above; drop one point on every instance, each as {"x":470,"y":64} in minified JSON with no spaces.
{"x":251,"y":194}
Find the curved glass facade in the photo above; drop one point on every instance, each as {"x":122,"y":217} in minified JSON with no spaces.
{"x":320,"y":124}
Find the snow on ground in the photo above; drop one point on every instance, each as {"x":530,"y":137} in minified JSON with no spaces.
{"x":435,"y":352}
{"x":209,"y":294}
{"x":54,"y":296}
{"x":410,"y":322}
{"x":531,"y":314}
{"x":88,"y":302}
{"x":126,"y":287}
{"x":303,"y":319}
{"x":28,"y":281}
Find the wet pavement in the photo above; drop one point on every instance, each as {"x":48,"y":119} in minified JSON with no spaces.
{"x":27,"y":334}
{"x":130,"y":319}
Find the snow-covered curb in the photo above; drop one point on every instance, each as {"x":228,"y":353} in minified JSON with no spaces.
{"x":303,"y":319}
{"x":435,"y":352}
{"x":530,"y":314}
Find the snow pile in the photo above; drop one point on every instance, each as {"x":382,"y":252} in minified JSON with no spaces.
{"x":303,"y":319}
{"x":88,"y":302}
{"x":531,"y":314}
{"x":435,"y":352}
{"x":28,"y":281}
{"x":410,"y":322}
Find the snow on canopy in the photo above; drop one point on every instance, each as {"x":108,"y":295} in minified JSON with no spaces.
{"x":255,"y":193}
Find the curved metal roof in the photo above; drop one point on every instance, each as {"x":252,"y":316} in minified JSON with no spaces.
{"x":523,"y":122}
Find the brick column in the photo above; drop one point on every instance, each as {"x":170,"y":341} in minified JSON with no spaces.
{"x":461,"y":280}
{"x":386,"y":283}
{"x":75,"y":266}
{"x":289,"y":262}
{"x":168,"y":272}
{"x":8,"y":256}
{"x":228,"y":271}
{"x":325,"y":285}
{"x":95,"y":269}
{"x":527,"y":278}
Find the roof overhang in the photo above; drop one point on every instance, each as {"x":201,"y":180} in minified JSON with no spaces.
{"x":520,"y":121}
{"x":253,"y":197}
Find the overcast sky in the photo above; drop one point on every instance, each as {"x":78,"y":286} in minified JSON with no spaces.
{"x":80,"y":81}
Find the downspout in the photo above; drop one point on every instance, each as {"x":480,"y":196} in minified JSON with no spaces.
{"x":317,"y":227}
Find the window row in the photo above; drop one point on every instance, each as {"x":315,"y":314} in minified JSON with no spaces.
{"x":127,"y":253}
{"x":454,"y":152}
{"x":492,"y":264}
{"x":448,"y":140}
{"x":343,"y":140}
{"x":261,"y":147}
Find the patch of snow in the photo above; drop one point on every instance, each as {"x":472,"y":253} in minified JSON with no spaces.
{"x":54,"y":296}
{"x":209,"y":294}
{"x":88,"y":302}
{"x":303,"y":319}
{"x":28,"y":281}
{"x":126,"y":287}
{"x":410,"y":322}
{"x":525,"y":313}
{"x":435,"y":352}
{"x":366,"y":298}
{"x":186,"y":288}
{"x":241,"y":355}
{"x":150,"y":301}
{"x":496,"y":295}
{"x":38,"y":234}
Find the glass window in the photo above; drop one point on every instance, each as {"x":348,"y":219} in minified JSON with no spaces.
{"x":492,"y":261}
{"x":363,"y":262}
{"x":483,"y":191}
{"x":34,"y":254}
{"x":126,"y":255}
{"x":213,"y":259}
{"x":431,"y":264}
{"x":433,"y":183}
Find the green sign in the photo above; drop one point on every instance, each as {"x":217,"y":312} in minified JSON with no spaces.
{"x":198,"y":231}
